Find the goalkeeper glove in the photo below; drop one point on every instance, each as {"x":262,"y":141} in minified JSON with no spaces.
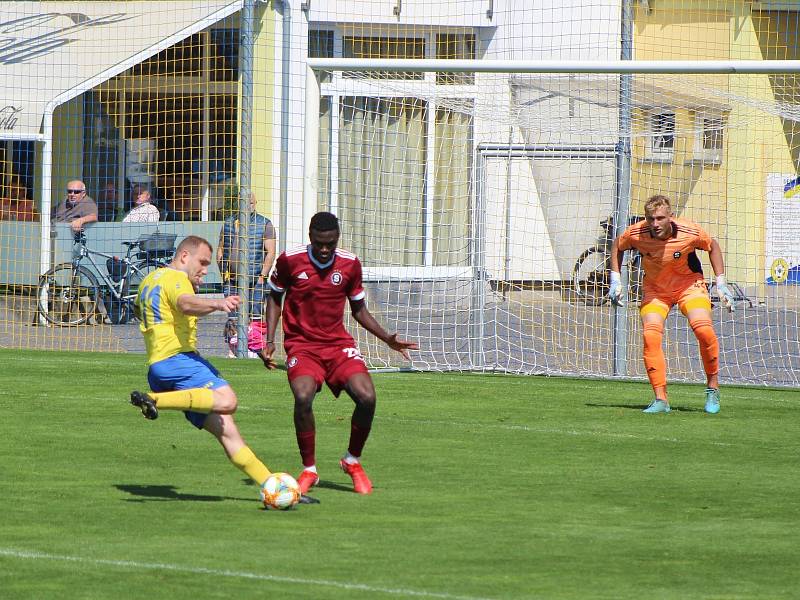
{"x":615,"y":289}
{"x":724,"y":292}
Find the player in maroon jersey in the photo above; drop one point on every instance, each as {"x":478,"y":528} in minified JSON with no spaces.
{"x":316,"y":280}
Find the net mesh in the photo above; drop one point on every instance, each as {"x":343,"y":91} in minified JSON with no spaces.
{"x":480,"y":204}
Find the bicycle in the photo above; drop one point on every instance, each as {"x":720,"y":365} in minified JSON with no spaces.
{"x":70,"y":293}
{"x":590,"y":275}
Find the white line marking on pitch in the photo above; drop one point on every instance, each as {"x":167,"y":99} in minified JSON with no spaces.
{"x":129,"y":564}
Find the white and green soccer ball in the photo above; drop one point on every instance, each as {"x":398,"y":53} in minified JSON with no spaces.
{"x":280,"y":491}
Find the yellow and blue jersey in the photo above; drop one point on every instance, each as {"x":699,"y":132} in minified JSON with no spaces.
{"x":167,"y":331}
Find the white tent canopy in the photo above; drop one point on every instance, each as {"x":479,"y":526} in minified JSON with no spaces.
{"x":51,"y":52}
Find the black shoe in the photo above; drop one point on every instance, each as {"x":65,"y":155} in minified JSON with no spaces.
{"x":146,"y":403}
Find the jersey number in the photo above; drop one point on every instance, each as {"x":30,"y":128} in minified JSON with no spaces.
{"x":353,"y":353}
{"x":149,"y":302}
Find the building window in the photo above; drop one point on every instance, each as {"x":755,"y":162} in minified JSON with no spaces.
{"x":23,"y":159}
{"x":385,"y":47}
{"x":709,"y":138}
{"x":179,"y":110}
{"x":224,"y":55}
{"x":17,"y":177}
{"x":320,"y":45}
{"x":395,"y":159}
{"x":381,"y":178}
{"x":661,"y":136}
{"x":455,"y":46}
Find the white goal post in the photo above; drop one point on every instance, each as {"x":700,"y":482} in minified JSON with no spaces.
{"x":554,"y":66}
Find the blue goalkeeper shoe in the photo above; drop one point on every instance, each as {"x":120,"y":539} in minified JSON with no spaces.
{"x":712,"y":401}
{"x":657,"y":406}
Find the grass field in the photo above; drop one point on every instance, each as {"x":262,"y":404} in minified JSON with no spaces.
{"x":485,"y":487}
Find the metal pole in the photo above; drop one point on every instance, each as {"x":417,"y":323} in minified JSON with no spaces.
{"x":245,"y":169}
{"x":508,"y":216}
{"x":310,"y":148}
{"x":286,"y":79}
{"x":622,"y":196}
{"x":478,"y":255}
{"x":47,"y":241}
{"x":555,"y":66}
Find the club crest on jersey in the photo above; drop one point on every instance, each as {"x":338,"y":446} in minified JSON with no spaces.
{"x":676,"y":255}
{"x":291,"y":362}
{"x":336,"y":278}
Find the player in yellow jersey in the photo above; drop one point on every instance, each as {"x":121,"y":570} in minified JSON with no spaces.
{"x":180,"y":379}
{"x":672,"y":275}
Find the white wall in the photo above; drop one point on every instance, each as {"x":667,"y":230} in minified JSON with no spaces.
{"x":468,"y":13}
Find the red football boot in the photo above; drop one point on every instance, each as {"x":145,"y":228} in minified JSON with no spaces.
{"x":361,"y":483}
{"x":307,"y":480}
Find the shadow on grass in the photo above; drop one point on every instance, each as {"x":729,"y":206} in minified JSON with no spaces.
{"x":329,"y":485}
{"x":160,"y":493}
{"x":641,"y":407}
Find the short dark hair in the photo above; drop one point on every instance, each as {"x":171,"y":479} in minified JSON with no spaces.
{"x":324,"y":221}
{"x":191,"y":243}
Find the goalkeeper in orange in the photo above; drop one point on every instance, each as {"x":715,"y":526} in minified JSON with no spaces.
{"x":673,"y":275}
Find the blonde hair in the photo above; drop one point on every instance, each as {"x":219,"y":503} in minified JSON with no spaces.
{"x":655,"y":202}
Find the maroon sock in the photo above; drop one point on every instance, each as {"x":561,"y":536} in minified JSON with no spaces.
{"x":358,"y":437}
{"x":306,"y":442}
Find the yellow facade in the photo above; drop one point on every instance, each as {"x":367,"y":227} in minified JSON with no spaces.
{"x":730,"y":197}
{"x":265,"y":152}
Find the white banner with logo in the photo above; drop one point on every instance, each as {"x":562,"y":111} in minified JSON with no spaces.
{"x":783,"y":229}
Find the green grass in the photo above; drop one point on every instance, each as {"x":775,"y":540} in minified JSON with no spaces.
{"x":485,"y":487}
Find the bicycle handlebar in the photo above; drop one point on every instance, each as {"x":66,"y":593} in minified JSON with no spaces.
{"x":80,"y":238}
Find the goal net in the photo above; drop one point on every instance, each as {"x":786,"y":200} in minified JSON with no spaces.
{"x":484,"y":204}
{"x":479,"y":154}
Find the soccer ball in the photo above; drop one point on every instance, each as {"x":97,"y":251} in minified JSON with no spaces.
{"x":280,"y":491}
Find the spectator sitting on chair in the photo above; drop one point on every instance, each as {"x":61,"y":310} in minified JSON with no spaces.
{"x":107,"y":203}
{"x":77,"y":208}
{"x":143,"y":211}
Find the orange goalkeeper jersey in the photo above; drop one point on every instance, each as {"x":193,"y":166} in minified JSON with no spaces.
{"x":669,"y":264}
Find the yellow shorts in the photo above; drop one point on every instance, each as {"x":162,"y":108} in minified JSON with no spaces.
{"x":693,"y":295}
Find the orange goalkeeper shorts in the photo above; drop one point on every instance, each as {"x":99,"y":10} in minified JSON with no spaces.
{"x":658,"y":300}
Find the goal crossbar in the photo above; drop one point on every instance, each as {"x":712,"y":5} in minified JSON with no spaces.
{"x":557,"y":66}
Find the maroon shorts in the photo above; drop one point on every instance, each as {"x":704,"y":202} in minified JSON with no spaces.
{"x":334,"y":365}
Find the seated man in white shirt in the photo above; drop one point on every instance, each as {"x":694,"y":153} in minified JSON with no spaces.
{"x":142,"y":211}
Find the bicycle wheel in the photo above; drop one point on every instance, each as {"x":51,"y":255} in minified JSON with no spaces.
{"x":139,"y":271}
{"x":590,"y":276}
{"x":67,"y":295}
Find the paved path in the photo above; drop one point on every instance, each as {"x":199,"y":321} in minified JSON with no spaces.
{"x":531,"y":332}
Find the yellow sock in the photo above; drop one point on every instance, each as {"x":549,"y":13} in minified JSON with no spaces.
{"x":197,"y":399}
{"x":245,"y":460}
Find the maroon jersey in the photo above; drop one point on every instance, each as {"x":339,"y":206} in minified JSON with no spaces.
{"x":313,"y":308}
